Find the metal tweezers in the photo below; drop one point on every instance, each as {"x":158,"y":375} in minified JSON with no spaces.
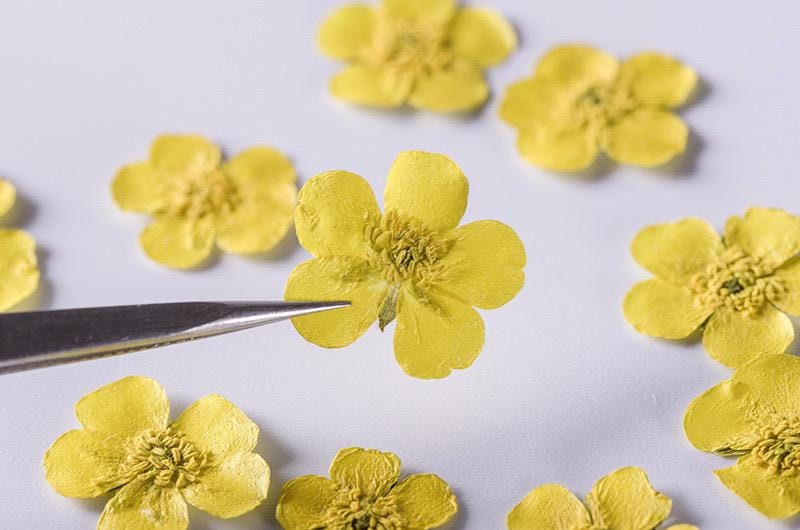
{"x":44,"y":338}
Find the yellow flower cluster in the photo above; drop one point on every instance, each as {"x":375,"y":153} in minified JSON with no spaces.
{"x":19,"y":273}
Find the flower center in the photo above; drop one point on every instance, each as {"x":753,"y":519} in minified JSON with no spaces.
{"x":353,"y":510}
{"x":408,"y":49}
{"x":195,"y":194}
{"x":164,"y":457}
{"x":778,"y":448}
{"x":738,"y":281}
{"x":602,"y":106}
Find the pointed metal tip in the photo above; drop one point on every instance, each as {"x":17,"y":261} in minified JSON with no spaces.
{"x":306,"y":308}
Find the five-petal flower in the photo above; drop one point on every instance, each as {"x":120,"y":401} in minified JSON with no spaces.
{"x":736,"y":288}
{"x":363,"y":492}
{"x":426,"y":53}
{"x":152,"y":467}
{"x":19,"y":273}
{"x":581,"y":102}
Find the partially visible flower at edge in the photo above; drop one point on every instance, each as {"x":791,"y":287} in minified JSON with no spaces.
{"x":426,"y":53}
{"x":245,"y":205}
{"x":622,"y":500}
{"x":364,"y":491}
{"x":19,"y":272}
{"x":152,"y":468}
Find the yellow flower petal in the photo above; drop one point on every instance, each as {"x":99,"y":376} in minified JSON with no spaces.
{"x":766,"y":233}
{"x":336,"y":279}
{"x":625,"y":500}
{"x":551,"y":507}
{"x":428,"y":9}
{"x":482,"y":35}
{"x":657,"y":79}
{"x":124,"y":407}
{"x":775,"y":496}
{"x":137,"y":188}
{"x":677,"y":251}
{"x":436,"y":336}
{"x":647,"y":138}
{"x":347,"y":31}
{"x":82,"y":463}
{"x":425,"y":501}
{"x":789,"y":276}
{"x":733,"y":338}
{"x":560,"y":149}
{"x":576,"y":67}
{"x":138,"y":506}
{"x":234,"y":487}
{"x":458,"y":89}
{"x":373,"y":472}
{"x":533,"y":102}
{"x":303,"y":502}
{"x":8,"y":195}
{"x":662,"y":309}
{"x":259,"y":223}
{"x":335,"y":208}
{"x":217,"y":427}
{"x":485,"y":264}
{"x":370,"y":86}
{"x":258,"y":170}
{"x":427,"y":186}
{"x":19,"y":275}
{"x":177,"y":242}
{"x":176,"y":153}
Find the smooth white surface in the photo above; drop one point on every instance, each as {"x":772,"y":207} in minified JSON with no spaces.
{"x":564,"y":391}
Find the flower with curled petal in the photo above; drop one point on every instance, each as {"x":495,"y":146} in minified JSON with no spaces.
{"x":582,"y":102}
{"x":622,"y":500}
{"x":736,"y":288}
{"x":19,"y":272}
{"x":427,"y":53}
{"x":244,"y":205}
{"x":151,"y":467}
{"x":413,"y":263}
{"x":364,"y":493}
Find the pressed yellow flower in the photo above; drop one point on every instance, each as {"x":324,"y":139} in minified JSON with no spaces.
{"x":736,"y":288}
{"x":581,"y":102}
{"x":364,"y":492}
{"x":19,"y":273}
{"x":622,"y":500}
{"x":153,"y":468}
{"x":412,"y":262}
{"x":426,"y":53}
{"x":755,"y":415}
{"x":245,"y":205}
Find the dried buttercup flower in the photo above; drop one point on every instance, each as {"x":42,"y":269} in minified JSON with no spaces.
{"x":19,"y":272}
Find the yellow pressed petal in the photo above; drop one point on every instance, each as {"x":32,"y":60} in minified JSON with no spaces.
{"x":370,"y":86}
{"x":577,"y":67}
{"x":124,"y":407}
{"x":657,"y":79}
{"x":662,"y":309}
{"x":428,"y":187}
{"x":460,"y":88}
{"x":304,"y":501}
{"x":773,"y":495}
{"x":327,"y":279}
{"x":140,"y":506}
{"x":372,"y":472}
{"x":83,"y":463}
{"x":789,"y":276}
{"x":558,"y":149}
{"x":769,"y":234}
{"x":677,"y":251}
{"x":257,"y":170}
{"x":347,"y":31}
{"x":485,"y":264}
{"x":138,"y":188}
{"x":217,"y":427}
{"x":19,"y":274}
{"x":535,"y":102}
{"x":625,"y":500}
{"x":430,"y":10}
{"x":482,"y":35}
{"x":734,"y":338}
{"x":178,"y":242}
{"x":436,"y":335}
{"x":647,"y":138}
{"x":335,"y":208}
{"x":178,"y":153}
{"x":424,"y":501}
{"x":8,"y":195}
{"x":232,"y":488}
{"x":551,"y":507}
{"x":259,"y":223}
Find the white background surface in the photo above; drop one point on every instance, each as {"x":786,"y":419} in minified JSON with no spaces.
{"x":564,"y":391}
